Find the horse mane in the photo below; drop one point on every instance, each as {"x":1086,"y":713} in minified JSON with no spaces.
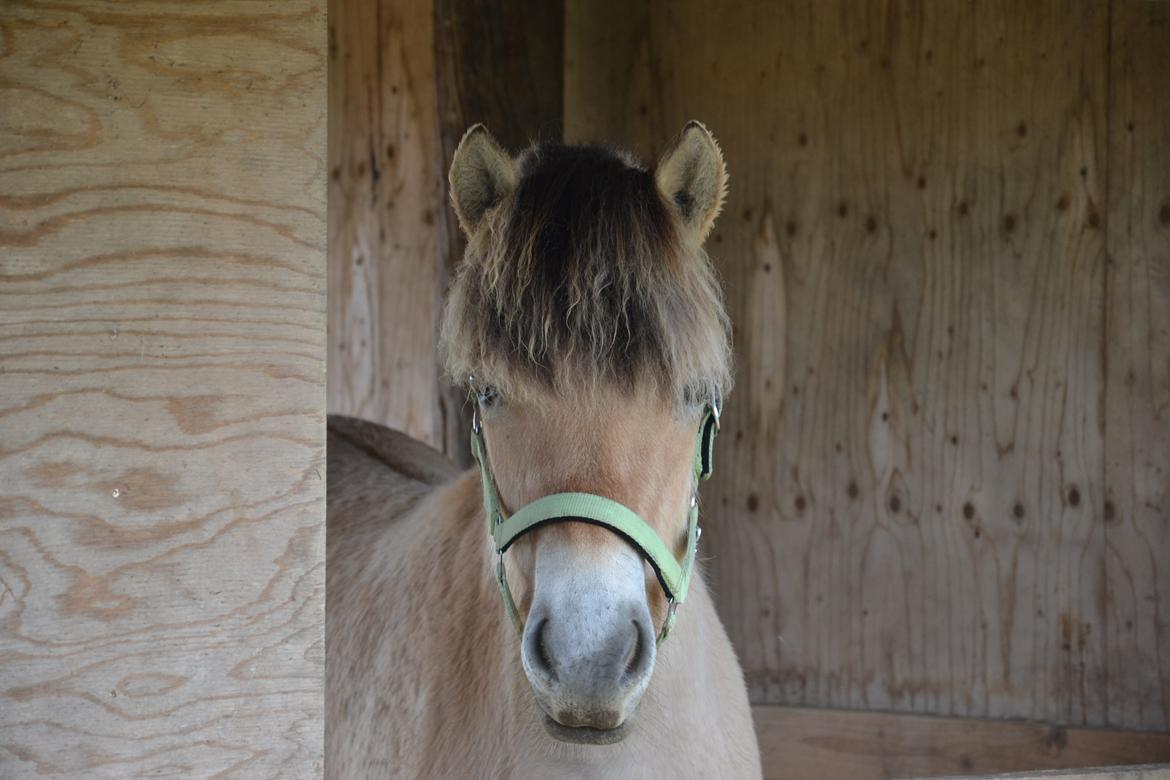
{"x":584,"y":275}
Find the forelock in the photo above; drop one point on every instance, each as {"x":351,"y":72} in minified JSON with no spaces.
{"x":582,"y":276}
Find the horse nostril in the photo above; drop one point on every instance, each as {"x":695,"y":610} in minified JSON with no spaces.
{"x":637,"y":657}
{"x":538,"y":651}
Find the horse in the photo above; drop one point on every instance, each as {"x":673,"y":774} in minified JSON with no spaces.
{"x":588,"y":321}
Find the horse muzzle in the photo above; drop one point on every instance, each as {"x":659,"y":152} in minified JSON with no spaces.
{"x":589,"y":657}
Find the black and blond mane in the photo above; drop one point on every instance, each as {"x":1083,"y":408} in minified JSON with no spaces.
{"x":583,"y":274}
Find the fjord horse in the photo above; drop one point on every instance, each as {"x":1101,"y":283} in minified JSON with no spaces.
{"x":589,"y":323}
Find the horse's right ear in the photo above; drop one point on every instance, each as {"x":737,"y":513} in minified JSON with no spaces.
{"x":693,"y":178}
{"x":482,"y":174}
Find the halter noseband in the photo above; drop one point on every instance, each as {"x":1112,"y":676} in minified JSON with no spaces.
{"x":599,"y":510}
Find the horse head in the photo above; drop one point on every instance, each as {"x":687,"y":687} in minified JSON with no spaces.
{"x":591,"y":327}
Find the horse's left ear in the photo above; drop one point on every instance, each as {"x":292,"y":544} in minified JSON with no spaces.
{"x":481,"y":176}
{"x":693,"y":178}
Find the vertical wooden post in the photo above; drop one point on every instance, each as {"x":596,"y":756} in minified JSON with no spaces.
{"x":499,"y":62}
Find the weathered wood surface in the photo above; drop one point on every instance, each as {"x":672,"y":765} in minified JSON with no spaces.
{"x":407,"y":78}
{"x":798,"y":743}
{"x":1137,"y":362}
{"x":910,"y":510}
{"x":499,"y":63}
{"x":162,"y":249}
{"x":385,"y":203}
{"x":1144,"y":772}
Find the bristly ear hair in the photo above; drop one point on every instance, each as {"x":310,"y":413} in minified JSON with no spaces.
{"x":482,"y":174}
{"x":693,"y":178}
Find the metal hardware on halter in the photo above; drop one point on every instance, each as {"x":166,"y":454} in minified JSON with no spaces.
{"x":475,"y":406}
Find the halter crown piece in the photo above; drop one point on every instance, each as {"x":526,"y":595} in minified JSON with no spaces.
{"x":505,"y":529}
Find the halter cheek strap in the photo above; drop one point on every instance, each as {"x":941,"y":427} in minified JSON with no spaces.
{"x":674,"y":577}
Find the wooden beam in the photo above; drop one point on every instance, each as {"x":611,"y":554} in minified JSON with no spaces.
{"x":798,"y":743}
{"x":499,"y":62}
{"x":162,"y":442}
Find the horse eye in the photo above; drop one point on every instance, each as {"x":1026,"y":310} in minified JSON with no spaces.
{"x":487,"y":396}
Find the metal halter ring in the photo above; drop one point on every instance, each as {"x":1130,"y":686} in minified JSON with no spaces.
{"x":475,"y":407}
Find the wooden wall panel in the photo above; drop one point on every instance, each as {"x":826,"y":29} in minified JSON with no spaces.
{"x":385,"y":207}
{"x":162,"y":316}
{"x":909,"y":511}
{"x":407,"y":78}
{"x":1137,"y":359}
{"x":499,"y":63}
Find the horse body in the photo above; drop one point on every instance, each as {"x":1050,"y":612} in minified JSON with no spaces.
{"x":423,"y":674}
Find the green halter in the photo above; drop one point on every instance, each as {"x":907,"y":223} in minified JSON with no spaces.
{"x":587,"y":507}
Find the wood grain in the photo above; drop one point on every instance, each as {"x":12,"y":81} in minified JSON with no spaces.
{"x":162,"y":245}
{"x":910,"y":511}
{"x":799,"y":743}
{"x":385,"y":205}
{"x":499,"y":63}
{"x":407,"y":78}
{"x":1144,"y":772}
{"x":1137,"y":359}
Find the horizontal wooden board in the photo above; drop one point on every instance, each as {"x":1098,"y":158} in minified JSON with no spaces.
{"x":1145,"y":772}
{"x":162,"y":320}
{"x":798,"y":743}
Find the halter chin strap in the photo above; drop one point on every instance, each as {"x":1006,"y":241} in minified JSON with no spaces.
{"x":674,"y":577}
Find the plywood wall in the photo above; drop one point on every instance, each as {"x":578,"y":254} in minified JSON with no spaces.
{"x":162,"y":320}
{"x":385,"y":201}
{"x":1137,"y":365}
{"x":407,"y":78}
{"x":945,"y":484}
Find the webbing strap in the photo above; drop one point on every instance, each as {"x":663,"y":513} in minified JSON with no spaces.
{"x":674,"y":577}
{"x":609,"y":513}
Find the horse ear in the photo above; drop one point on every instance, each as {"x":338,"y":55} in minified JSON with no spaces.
{"x":481,"y":175}
{"x":693,"y":178}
